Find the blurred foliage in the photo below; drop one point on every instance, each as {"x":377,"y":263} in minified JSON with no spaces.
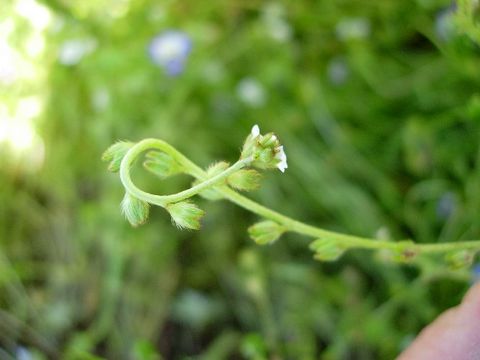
{"x":379,"y":110}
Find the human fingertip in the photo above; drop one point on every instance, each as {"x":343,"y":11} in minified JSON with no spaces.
{"x":473,"y":295}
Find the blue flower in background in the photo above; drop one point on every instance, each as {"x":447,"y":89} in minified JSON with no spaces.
{"x":475,"y":273}
{"x":446,"y":205}
{"x":337,"y":71}
{"x":444,"y":23}
{"x":170,"y":50}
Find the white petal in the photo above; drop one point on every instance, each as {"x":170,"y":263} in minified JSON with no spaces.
{"x":280,"y":155}
{"x":255,"y":131}
{"x":282,"y":166}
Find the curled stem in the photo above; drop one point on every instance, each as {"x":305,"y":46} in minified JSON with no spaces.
{"x":292,"y":225}
{"x":163,"y":200}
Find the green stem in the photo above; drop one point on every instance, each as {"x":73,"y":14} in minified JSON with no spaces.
{"x":290,"y":224}
{"x":163,"y":200}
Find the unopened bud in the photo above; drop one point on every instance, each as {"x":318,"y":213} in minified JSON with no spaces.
{"x":185,"y":215}
{"x":213,"y":170}
{"x":245,"y":180}
{"x":135,"y":210}
{"x":216,"y":168}
{"x":265,"y":232}
{"x":460,"y":259}
{"x":115,"y":153}
{"x":268,"y":140}
{"x":264,"y":158}
{"x":405,"y":253}
{"x":161,"y":164}
{"x":327,"y":249}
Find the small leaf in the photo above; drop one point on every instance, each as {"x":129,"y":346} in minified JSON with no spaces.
{"x":115,"y":154}
{"x":245,"y":180}
{"x":265,"y":232}
{"x":253,"y":346}
{"x":135,"y":210}
{"x":327,"y":249}
{"x":185,"y":215}
{"x":161,"y":164}
{"x":460,"y":259}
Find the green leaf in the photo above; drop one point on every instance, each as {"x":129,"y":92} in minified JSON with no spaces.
{"x":145,"y":350}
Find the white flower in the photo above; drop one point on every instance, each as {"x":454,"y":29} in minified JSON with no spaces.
{"x":251,"y":92}
{"x":278,"y":158}
{"x":275,"y":24}
{"x":280,"y":155}
{"x":9,"y":64}
{"x":264,"y":151}
{"x":353,"y":28}
{"x":73,"y":51}
{"x":255,"y":131}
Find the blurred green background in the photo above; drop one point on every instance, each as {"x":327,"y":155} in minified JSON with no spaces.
{"x":377,"y":104}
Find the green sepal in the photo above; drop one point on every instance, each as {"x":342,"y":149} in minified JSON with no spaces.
{"x":405,"y":253}
{"x":262,"y":149}
{"x":327,"y":249}
{"x":185,"y":215}
{"x":246,"y":180}
{"x":135,"y":210}
{"x":266,"y":232}
{"x":460,"y":259}
{"x":161,"y":164}
{"x":212,"y":170}
{"x":115,"y":154}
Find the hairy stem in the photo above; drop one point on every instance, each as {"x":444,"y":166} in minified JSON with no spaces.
{"x":290,"y":224}
{"x":162,"y":200}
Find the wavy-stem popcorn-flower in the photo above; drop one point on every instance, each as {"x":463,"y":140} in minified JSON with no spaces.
{"x":223,"y":181}
{"x":264,"y":150}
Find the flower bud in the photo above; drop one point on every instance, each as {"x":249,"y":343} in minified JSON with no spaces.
{"x":245,"y":180}
{"x":460,"y":259}
{"x":185,"y":215}
{"x":115,"y":153}
{"x":135,"y":210}
{"x":268,"y":140}
{"x":264,"y":150}
{"x":265,"y":232}
{"x":161,"y":164}
{"x":213,"y":170}
{"x":216,"y":168}
{"x":405,"y":253}
{"x":327,"y":249}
